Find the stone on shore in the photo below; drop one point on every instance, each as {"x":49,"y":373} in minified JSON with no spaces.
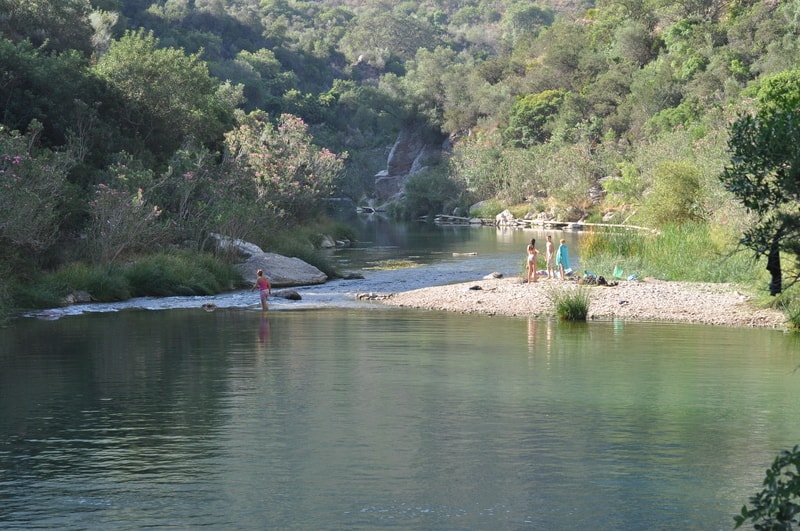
{"x":282,"y":271}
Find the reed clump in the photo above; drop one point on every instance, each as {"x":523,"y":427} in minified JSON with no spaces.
{"x":692,"y":252}
{"x":570,"y":304}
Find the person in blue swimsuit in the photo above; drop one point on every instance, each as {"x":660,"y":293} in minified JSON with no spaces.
{"x":562,"y":258}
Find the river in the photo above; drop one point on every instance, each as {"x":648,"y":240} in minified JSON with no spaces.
{"x":329,"y":413}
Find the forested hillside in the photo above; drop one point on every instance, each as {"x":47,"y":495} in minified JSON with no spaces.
{"x":129,"y":125}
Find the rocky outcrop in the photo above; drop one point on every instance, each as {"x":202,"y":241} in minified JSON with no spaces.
{"x":282,"y":271}
{"x":409,"y":155}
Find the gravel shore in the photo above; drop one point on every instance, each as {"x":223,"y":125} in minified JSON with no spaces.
{"x":638,"y":300}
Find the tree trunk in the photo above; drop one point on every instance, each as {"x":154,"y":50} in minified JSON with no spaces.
{"x":774,"y":266}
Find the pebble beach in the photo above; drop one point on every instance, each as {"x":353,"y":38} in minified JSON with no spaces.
{"x":647,"y":299}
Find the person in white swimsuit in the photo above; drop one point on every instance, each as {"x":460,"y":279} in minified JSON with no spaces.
{"x":532,"y":255}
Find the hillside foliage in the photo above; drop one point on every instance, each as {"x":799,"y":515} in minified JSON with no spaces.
{"x":578,"y":109}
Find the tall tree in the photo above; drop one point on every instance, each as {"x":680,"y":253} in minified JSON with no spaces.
{"x":54,"y":24}
{"x":168,"y":96}
{"x":764,"y":172}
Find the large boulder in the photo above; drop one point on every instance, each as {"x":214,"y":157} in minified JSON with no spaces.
{"x":282,"y":271}
{"x":504,"y":218}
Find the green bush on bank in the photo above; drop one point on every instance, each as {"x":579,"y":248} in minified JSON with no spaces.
{"x":160,"y":274}
{"x":180,"y":273}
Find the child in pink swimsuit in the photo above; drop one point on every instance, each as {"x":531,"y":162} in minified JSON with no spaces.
{"x":264,"y":288}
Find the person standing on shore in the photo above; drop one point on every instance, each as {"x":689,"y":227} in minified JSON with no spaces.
{"x":264,"y":288}
{"x":532,"y":255}
{"x":550,"y":254}
{"x":562,"y":259}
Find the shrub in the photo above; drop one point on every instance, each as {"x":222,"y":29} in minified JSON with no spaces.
{"x":179,"y":273}
{"x":106,"y":283}
{"x":676,"y":194}
{"x":570,"y":304}
{"x":777,"y":506}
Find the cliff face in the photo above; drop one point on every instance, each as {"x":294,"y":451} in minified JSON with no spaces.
{"x":414,"y":146}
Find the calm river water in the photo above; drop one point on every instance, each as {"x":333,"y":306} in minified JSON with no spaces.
{"x":336,"y":415}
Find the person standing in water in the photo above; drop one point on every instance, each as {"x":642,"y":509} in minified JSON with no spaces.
{"x":562,"y":258}
{"x":550,"y":254}
{"x":264,"y":288}
{"x":532,"y":255}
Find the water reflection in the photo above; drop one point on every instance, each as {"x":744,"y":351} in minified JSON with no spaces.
{"x":365,"y":419}
{"x":540,"y":335}
{"x":263,"y":330}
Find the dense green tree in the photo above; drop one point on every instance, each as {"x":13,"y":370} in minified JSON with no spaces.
{"x":27,"y":90}
{"x":167,"y":95}
{"x":568,"y":58}
{"x":59,"y":25}
{"x":424,"y":83}
{"x":764,"y":172}
{"x":523,"y":20}
{"x":377,"y":36}
{"x":634,"y":42}
{"x":529,"y":118}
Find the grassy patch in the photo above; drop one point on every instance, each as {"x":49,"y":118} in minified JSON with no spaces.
{"x":388,"y":265}
{"x":487,"y":209}
{"x":690,"y":252}
{"x":787,"y":302}
{"x":570,"y":304}
{"x":160,"y":274}
{"x":179,"y":273}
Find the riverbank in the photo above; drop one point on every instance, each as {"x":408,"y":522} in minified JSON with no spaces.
{"x":638,"y":300}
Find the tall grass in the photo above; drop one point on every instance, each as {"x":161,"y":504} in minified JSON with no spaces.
{"x":179,"y":273}
{"x":690,"y":252}
{"x":570,"y":304}
{"x":160,"y":274}
{"x":787,"y":302}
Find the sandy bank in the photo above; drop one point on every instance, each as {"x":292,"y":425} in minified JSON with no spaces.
{"x":639,"y":300}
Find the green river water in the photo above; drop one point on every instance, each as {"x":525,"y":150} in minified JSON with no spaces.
{"x":331,"y":416}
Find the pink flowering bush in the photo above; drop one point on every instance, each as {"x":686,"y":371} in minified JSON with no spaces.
{"x":31,"y":182}
{"x":290,"y":173}
{"x":122,"y":222}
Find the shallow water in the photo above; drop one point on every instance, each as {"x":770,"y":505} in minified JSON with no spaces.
{"x":437,"y":255}
{"x":330,"y":413}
